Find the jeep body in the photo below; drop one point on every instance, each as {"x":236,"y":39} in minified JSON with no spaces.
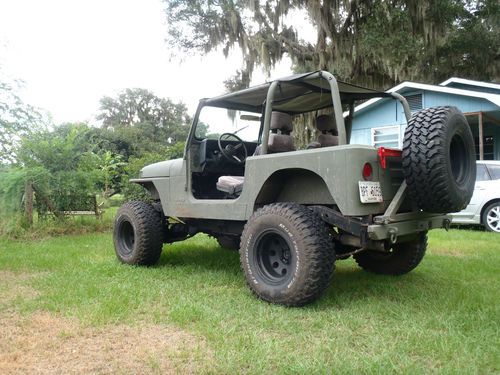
{"x":327,"y":177}
{"x":292,"y":213}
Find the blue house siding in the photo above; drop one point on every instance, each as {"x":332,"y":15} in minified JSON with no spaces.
{"x":387,"y":112}
{"x":464,"y":103}
{"x":390,"y":112}
{"x":361,"y":136}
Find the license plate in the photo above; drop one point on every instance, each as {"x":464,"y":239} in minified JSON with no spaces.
{"x":370,"y":192}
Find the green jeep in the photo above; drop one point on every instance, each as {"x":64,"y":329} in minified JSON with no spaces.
{"x":293,"y":213}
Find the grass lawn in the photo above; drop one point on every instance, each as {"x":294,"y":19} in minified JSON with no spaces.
{"x":443,"y":317}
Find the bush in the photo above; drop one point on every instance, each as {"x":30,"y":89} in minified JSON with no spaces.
{"x":137,"y":192}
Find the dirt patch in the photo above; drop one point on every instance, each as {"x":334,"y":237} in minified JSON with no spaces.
{"x":14,"y":286}
{"x":47,"y":344}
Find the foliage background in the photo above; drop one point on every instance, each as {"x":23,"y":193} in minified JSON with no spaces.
{"x":70,"y":163}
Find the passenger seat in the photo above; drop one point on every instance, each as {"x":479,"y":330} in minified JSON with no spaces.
{"x":280,"y":139}
{"x":328,"y":135}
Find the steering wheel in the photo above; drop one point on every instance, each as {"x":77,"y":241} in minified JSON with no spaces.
{"x":235,"y":154}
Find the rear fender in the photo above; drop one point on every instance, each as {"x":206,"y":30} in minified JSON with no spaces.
{"x":294,"y":185}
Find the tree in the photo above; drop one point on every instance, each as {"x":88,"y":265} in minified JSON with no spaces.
{"x":17,"y":119}
{"x":59,"y":149}
{"x":146,"y":116}
{"x":108,"y":167}
{"x":473,"y":50}
{"x":377,"y":43}
{"x":69,"y":169}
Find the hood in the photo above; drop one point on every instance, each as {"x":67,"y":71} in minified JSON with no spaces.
{"x":161,"y":169}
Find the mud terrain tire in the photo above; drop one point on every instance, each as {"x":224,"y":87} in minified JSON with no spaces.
{"x":439,"y":161}
{"x":403,"y":257}
{"x":138,"y":234}
{"x":287,"y":254}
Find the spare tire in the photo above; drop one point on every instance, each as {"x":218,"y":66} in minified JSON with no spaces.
{"x":439,"y":160}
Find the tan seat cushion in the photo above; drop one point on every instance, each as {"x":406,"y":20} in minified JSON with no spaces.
{"x":232,"y":185}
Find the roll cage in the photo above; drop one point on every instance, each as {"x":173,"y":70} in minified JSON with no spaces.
{"x":297,"y":94}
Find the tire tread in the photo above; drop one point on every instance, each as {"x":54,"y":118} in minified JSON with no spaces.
{"x":425,"y":160}
{"x":318,"y":251}
{"x":149,"y":233}
{"x":404,"y":258}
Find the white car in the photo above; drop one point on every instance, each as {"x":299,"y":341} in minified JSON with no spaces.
{"x":484,"y":207}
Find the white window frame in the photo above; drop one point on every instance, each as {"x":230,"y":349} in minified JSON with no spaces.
{"x":379,"y":143}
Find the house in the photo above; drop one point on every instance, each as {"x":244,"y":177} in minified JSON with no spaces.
{"x":479,"y":101}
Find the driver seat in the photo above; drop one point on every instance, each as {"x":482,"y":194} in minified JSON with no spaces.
{"x":231,"y":185}
{"x":278,"y":142}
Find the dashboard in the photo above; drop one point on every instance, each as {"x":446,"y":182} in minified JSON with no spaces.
{"x":206,"y":157}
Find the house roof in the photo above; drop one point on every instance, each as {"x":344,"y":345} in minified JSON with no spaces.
{"x":493,"y":98}
{"x":470,"y":82}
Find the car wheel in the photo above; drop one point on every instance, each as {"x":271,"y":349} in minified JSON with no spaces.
{"x":491,"y":217}
{"x":138,"y":234}
{"x":402,"y":258}
{"x":287,"y":254}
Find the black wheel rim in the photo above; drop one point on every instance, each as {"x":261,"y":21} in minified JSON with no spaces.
{"x":458,"y":159}
{"x":126,"y":238}
{"x":274,"y":258}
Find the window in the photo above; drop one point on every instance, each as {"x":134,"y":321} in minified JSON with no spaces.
{"x":488,"y":147}
{"x":214,"y":121}
{"x":481,"y":173}
{"x":494,"y":171}
{"x":415,"y":102}
{"x":388,"y":136}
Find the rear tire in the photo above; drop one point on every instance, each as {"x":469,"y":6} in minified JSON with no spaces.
{"x":439,"y":160}
{"x":138,"y":234}
{"x":229,"y":242}
{"x":287,"y":254}
{"x":491,"y":217}
{"x":403,"y":257}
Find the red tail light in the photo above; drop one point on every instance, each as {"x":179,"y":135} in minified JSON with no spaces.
{"x":367,"y":171}
{"x":384,"y":153}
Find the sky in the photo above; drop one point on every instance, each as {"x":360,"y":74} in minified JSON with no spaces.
{"x":70,"y":53}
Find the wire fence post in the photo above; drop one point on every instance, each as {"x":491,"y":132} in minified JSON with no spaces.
{"x":28,"y":203}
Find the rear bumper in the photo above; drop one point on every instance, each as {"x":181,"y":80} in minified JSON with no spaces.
{"x":383,"y":227}
{"x":406,"y":224}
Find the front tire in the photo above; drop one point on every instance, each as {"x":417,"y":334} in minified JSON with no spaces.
{"x":402,"y":258}
{"x":287,"y":254}
{"x":491,"y":217}
{"x":138,"y":234}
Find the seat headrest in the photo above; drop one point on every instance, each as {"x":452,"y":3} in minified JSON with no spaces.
{"x":325,"y":123}
{"x":281,"y":121}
